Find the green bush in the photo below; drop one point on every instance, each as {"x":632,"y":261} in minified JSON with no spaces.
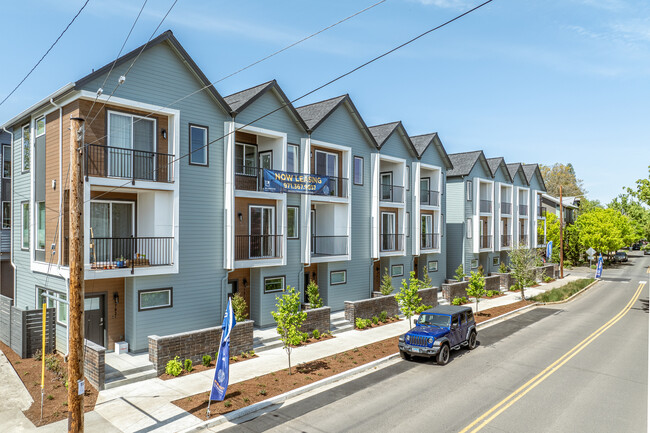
{"x":173,"y":367}
{"x":593,"y":266}
{"x":503,"y":269}
{"x":460,"y":273}
{"x":375,"y":320}
{"x":386,"y":287}
{"x":383,"y":316}
{"x":561,"y":293}
{"x":305,"y":336}
{"x":459,"y":300}
{"x":513,"y":288}
{"x":313,"y":295}
{"x":547,"y":279}
{"x":362,"y":323}
{"x":316,"y":334}
{"x":207,"y":359}
{"x":188,"y":365}
{"x":491,"y":293}
{"x":239,"y":307}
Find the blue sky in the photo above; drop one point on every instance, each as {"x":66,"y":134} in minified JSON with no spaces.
{"x":541,"y":81}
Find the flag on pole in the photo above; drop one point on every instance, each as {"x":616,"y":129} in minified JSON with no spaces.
{"x":549,"y":250}
{"x":220,"y":382}
{"x":599,"y":266}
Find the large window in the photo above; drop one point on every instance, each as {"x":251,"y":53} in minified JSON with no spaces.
{"x":468,"y":228}
{"x":154,"y":298}
{"x":397,"y":271}
{"x":26,"y":147}
{"x":6,"y":214}
{"x":245,"y":159}
{"x":358,"y":170}
{"x":55,"y":300}
{"x":40,"y":228}
{"x":273,"y":284}
{"x":338,"y":277}
{"x":293,"y":213}
{"x":25,"y":228}
{"x":198,"y":145}
{"x":293,"y":155}
{"x":468,"y":185}
{"x":40,"y":126}
{"x":132,"y":143}
{"x":6,"y":161}
{"x":261,"y":229}
{"x":111,"y":225}
{"x":408,"y":177}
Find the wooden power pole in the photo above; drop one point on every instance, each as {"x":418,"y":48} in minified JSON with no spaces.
{"x":561,"y":240}
{"x":76,"y":301}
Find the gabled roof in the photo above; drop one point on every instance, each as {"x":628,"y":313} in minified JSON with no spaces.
{"x":241,"y":100}
{"x":529,"y":171}
{"x":315,"y":114}
{"x":422,"y":142}
{"x":464,"y":162}
{"x":513,"y":168}
{"x":383,"y":132}
{"x":566,"y":201}
{"x":495,"y":163}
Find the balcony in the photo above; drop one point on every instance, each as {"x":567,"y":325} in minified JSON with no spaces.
{"x":506,"y":208}
{"x":523,"y":209}
{"x":506,"y":240}
{"x":322,"y":246}
{"x":523,"y":239}
{"x":123,"y":163}
{"x":336,"y":187}
{"x":391,"y":242}
{"x":249,"y":178}
{"x":485,"y":206}
{"x":391,"y":193}
{"x":541,"y":212}
{"x":485,"y":241}
{"x":251,"y":247}
{"x":429,"y":198}
{"x":430,"y":241}
{"x":131,"y":252}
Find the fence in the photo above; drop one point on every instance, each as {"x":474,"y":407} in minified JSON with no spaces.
{"x":21,"y":330}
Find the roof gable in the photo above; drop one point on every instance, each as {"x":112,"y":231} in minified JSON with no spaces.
{"x":422,"y":143}
{"x":464,"y":162}
{"x":517,"y":173}
{"x":382,"y":134}
{"x":532,"y":171}
{"x":499,"y":164}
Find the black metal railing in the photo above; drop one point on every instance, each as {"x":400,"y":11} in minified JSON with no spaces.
{"x":391,"y":193}
{"x":506,"y":240}
{"x":523,"y":239}
{"x":391,"y":242}
{"x":123,"y":163}
{"x":249,"y":247}
{"x":485,"y":206}
{"x":131,"y":252}
{"x":430,"y":198}
{"x":336,"y":187}
{"x":429,"y":241}
{"x":485,"y":241}
{"x":252,"y":179}
{"x":541,"y":212}
{"x":506,"y":208}
{"x":523,"y":209}
{"x":329,"y":245}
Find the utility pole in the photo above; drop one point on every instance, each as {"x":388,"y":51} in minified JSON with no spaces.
{"x":76,"y":301}
{"x":561,"y":241}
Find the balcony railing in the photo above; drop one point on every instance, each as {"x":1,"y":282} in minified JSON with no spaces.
{"x":123,"y":163}
{"x":485,"y":241}
{"x":523,"y":239}
{"x":329,"y":246}
{"x":391,"y":193}
{"x":252,"y":179}
{"x":485,"y":206}
{"x":523,"y":209}
{"x":391,"y":242}
{"x":336,"y":187}
{"x":506,"y":240}
{"x":131,"y":252}
{"x":430,"y":241}
{"x":541,"y":212}
{"x":430,"y":198}
{"x":249,"y":247}
{"x":506,"y":208}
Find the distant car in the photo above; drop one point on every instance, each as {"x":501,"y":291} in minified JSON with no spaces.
{"x":620,"y":256}
{"x":437,"y":331}
{"x":636,"y":247}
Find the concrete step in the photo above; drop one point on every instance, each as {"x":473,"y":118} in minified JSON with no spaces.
{"x":112,"y":374}
{"x":139,"y":376}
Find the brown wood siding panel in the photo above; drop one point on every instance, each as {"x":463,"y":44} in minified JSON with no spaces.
{"x":52,"y":153}
{"x":114,"y":313}
{"x":240,"y":275}
{"x":244,"y":137}
{"x":104,"y":195}
{"x":242,"y":204}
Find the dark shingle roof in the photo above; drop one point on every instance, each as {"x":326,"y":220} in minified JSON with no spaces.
{"x":463,"y":162}
{"x":243,"y":98}
{"x":382,"y":132}
{"x":513,"y":168}
{"x":495,"y":163}
{"x":421,"y":142}
{"x":314,"y":114}
{"x":529,"y":171}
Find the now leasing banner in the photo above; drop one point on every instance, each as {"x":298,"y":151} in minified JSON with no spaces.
{"x":281,"y":181}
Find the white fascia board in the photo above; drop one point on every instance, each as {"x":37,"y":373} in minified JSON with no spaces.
{"x":229,"y":196}
{"x":261,"y":131}
{"x":392,"y":159}
{"x":415,"y":228}
{"x":128,"y":103}
{"x":45,"y":100}
{"x":374,"y":207}
{"x":331,"y":259}
{"x":259,"y":194}
{"x":92,"y":274}
{"x":344,"y":149}
{"x":305,"y":209}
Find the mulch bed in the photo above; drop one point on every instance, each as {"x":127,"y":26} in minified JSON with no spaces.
{"x":55,"y":403}
{"x":312,"y":340}
{"x":254,"y":390}
{"x":372,"y":325}
{"x":197,"y":368}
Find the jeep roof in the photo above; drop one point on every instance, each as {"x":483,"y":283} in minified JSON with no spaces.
{"x":446,"y":309}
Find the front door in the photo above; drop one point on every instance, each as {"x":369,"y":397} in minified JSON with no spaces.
{"x":231,"y":288}
{"x":95,"y":323}
{"x":262,"y":239}
{"x":307,"y":279}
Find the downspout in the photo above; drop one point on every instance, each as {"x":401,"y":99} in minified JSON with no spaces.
{"x":61,"y":186}
{"x":11,"y":234}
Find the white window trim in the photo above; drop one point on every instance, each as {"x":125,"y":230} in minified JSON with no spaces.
{"x":296,"y":221}
{"x":408,"y":177}
{"x":394,"y":229}
{"x":256,"y":206}
{"x":153,"y":121}
{"x":22,"y":228}
{"x":407,"y":222}
{"x":468,"y":190}
{"x":110,"y":213}
{"x":281,"y":277}
{"x":244,"y":145}
{"x":204,"y":149}
{"x":148,"y":292}
{"x":36,"y":134}
{"x":58,"y":303}
{"x":429,"y":265}
{"x":37,"y":226}
{"x":360,"y":158}
{"x":345,"y":277}
{"x":294,"y":148}
{"x":22,"y":148}
{"x":396,"y":266}
{"x":468,"y":228}
{"x":336,"y":162}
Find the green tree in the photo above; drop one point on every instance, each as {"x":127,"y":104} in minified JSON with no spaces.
{"x":522,"y":267}
{"x":587,"y":205}
{"x":642,"y":191}
{"x":313,"y":295}
{"x":460,"y":273}
{"x":239,"y":307}
{"x":289,"y":318}
{"x":426,"y":279}
{"x":562,"y":175}
{"x":639,"y":216}
{"x":476,"y":286}
{"x":408,"y":299}
{"x":386,"y":287}
{"x":605,"y":230}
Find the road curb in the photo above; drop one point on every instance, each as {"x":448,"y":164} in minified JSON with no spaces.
{"x":505,"y":316}
{"x":287,"y":395}
{"x":588,"y":286}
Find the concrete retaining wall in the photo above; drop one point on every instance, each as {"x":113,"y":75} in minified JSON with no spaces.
{"x":454,"y":290}
{"x":317,"y":318}
{"x":367,"y":308}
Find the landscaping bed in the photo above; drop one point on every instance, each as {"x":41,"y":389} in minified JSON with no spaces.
{"x":564,"y":292}
{"x":200,"y":367}
{"x":55,"y":403}
{"x":363,"y":324}
{"x":493,"y":312}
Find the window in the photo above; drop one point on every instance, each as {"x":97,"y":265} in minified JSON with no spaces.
{"x":40,"y":126}
{"x":468,"y":228}
{"x":408,"y":224}
{"x":111,"y":223}
{"x":386,"y":181}
{"x":442,"y":225}
{"x":424,"y":189}
{"x":25,"y":232}
{"x":432,"y":266}
{"x":6,"y":161}
{"x":338,"y":277}
{"x":55,"y":300}
{"x":6,"y":214}
{"x":474,"y":264}
{"x":408,"y":177}
{"x":261,"y":229}
{"x":198,"y":145}
{"x":426,"y":231}
{"x":154,"y":298}
{"x":131,"y":141}
{"x":246,"y":159}
{"x":358,"y":170}
{"x":469,"y":315}
{"x":40,"y":228}
{"x":495,"y":261}
{"x":469,"y":190}
{"x":397,"y":271}
{"x":26,"y":147}
{"x":293,"y":213}
{"x":273,"y":284}
{"x":293,"y":161}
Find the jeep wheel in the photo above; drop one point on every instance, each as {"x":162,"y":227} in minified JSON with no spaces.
{"x":443,"y":355}
{"x":404,"y":355}
{"x":471,"y":341}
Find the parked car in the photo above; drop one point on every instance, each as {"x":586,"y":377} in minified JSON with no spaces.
{"x":636,"y":247}
{"x":620,"y":256}
{"x":437,"y":331}
{"x":646,"y":250}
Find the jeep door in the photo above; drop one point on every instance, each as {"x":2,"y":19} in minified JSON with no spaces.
{"x":455,"y":333}
{"x":464,"y":325}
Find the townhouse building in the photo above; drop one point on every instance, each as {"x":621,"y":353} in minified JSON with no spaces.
{"x":551,"y":205}
{"x":503,"y":212}
{"x":6,"y":270}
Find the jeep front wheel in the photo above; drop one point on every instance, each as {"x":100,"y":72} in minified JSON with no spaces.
{"x":471,"y":341}
{"x":443,"y":355}
{"x":404,"y":355}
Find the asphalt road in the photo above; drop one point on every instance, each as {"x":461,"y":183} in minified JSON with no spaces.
{"x":576,"y":367}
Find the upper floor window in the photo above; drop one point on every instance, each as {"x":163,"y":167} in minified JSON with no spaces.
{"x":293,"y":213}
{"x":128,"y":131}
{"x":25,"y":229}
{"x":26,"y":147}
{"x":245,"y":157}
{"x":469,"y":190}
{"x":198,"y":145}
{"x":6,"y":161}
{"x":358,"y":170}
{"x":293,"y":155}
{"x":6,"y":214}
{"x":40,"y":126}
{"x":408,"y":177}
{"x":40,"y":233}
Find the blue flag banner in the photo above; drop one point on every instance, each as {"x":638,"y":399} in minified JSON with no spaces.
{"x":282,"y":181}
{"x":599,"y":266}
{"x":220,"y":382}
{"x":549,"y":250}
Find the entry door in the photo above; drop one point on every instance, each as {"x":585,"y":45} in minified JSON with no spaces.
{"x":388,"y":231}
{"x":262,"y":240}
{"x":94,"y":317}
{"x":327,"y":165}
{"x":266,"y":159}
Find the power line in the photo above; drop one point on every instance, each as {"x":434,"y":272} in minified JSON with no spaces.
{"x":46,"y":53}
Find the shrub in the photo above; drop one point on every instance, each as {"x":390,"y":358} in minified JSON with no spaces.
{"x":491,"y":293}
{"x":375,"y":320}
{"x":503,"y":269}
{"x":386,"y":287}
{"x":459,"y":300}
{"x":227,"y":403}
{"x":251,"y":353}
{"x":460,"y":273}
{"x":362,"y":323}
{"x":426,"y":279}
{"x":316,"y":334}
{"x":513,"y":288}
{"x":408,"y":299}
{"x":480,"y":270}
{"x":234,"y":359}
{"x":593,"y":266}
{"x":383,"y":316}
{"x":561,"y":293}
{"x":313,"y":295}
{"x":305,"y":336}
{"x":547,"y":279}
{"x":188,"y":365}
{"x":173,"y":367}
{"x":207,"y":359}
{"x":476,"y":286}
{"x":289,"y":318}
{"x":38,"y":355}
{"x":239,"y":307}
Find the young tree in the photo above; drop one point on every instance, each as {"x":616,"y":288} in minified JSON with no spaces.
{"x":408,"y":299}
{"x":605,"y":230}
{"x":289,"y":318}
{"x":426,"y":279}
{"x":522,"y":267}
{"x":460,"y":273}
{"x":313,"y":295}
{"x":239,"y":307}
{"x":386,"y":287}
{"x":476,"y":286}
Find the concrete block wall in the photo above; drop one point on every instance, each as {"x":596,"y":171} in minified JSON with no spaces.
{"x":317,"y":318}
{"x":95,"y":364}
{"x":454,"y":290}
{"x":367,"y":308}
{"x":493,"y":282}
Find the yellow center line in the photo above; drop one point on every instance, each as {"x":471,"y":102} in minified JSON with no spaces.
{"x":541,"y":376}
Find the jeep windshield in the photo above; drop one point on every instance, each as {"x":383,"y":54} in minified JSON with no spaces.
{"x":434,"y":320}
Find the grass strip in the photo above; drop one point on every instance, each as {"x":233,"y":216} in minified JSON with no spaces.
{"x":564,"y":292}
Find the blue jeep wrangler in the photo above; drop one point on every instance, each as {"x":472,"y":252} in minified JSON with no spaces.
{"x":437,"y":331}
